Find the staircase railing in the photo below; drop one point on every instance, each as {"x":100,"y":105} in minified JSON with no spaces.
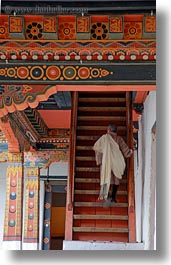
{"x":131,"y":189}
{"x":72,"y":150}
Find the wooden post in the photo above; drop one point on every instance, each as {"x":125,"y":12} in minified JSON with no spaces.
{"x":131,"y":188}
{"x":72,"y":149}
{"x":12,"y":236}
{"x":70,"y":187}
{"x":31,"y":213}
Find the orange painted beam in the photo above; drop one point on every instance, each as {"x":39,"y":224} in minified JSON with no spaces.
{"x":106,"y":88}
{"x":56,"y":118}
{"x":140,"y":96}
{"x":75,"y":41}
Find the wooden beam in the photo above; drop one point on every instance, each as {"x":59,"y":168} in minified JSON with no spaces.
{"x":106,"y":87}
{"x":140,"y":96}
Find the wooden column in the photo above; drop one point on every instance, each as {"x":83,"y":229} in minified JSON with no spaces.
{"x":131,"y":188}
{"x":70,"y":185}
{"x":12,"y":236}
{"x":31,"y":209}
{"x":47,"y":217}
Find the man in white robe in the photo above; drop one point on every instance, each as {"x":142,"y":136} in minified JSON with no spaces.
{"x":110,"y":151}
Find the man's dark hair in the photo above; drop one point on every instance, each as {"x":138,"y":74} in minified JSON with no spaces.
{"x":113,"y":127}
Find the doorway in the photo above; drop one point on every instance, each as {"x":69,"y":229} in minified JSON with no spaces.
{"x":54,"y":215}
{"x":57,"y":220}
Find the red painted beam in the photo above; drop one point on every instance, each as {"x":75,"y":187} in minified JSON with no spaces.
{"x":106,"y":88}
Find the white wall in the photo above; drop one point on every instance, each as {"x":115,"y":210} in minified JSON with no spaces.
{"x":148,"y":181}
{"x":41,"y":213}
{"x":56,"y":169}
{"x":3,"y":167}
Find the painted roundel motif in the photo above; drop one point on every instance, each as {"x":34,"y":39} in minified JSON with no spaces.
{"x":53,"y":72}
{"x":36,"y":72}
{"x":22,"y":72}
{"x":31,"y":194}
{"x":133,"y":30}
{"x":34,"y":31}
{"x":31,"y":205}
{"x":13,"y":196}
{"x":46,"y":240}
{"x":2,"y":30}
{"x":31,"y":216}
{"x":12,"y":209}
{"x":67,"y":31}
{"x":13,"y":183}
{"x":83,"y":72}
{"x":69,"y":72}
{"x":30,"y":228}
{"x":99,"y":31}
{"x":11,"y":223}
{"x":11,"y":72}
{"x":95,"y":72}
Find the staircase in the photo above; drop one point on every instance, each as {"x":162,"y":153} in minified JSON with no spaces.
{"x":91,"y":221}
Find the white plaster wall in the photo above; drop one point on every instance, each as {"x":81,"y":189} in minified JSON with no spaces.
{"x":88,"y":245}
{"x":3,"y":167}
{"x":138,"y":182}
{"x":148,"y":120}
{"x":56,"y":169}
{"x":41,"y":213}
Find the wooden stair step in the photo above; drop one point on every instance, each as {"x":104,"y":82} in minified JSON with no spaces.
{"x":83,"y":147}
{"x":96,"y":192}
{"x":101,"y":108}
{"x":87,"y":137}
{"x":101,"y":118}
{"x":87,"y":169}
{"x":116,"y":99}
{"x":91,"y":137}
{"x":85,"y":158}
{"x":120,"y":128}
{"x":93,"y":180}
{"x":98,"y":204}
{"x":100,"y":217}
{"x":100,"y":229}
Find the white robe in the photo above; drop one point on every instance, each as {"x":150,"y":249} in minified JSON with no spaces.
{"x":110,"y":157}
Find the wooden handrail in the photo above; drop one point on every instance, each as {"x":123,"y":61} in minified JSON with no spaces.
{"x":72,"y":149}
{"x":130,"y":168}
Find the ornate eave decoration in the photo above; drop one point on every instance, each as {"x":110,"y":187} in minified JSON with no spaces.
{"x":51,"y":73}
{"x":75,"y":27}
{"x":74,"y":38}
{"x":56,"y":51}
{"x":19,"y":97}
{"x":42,"y":159}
